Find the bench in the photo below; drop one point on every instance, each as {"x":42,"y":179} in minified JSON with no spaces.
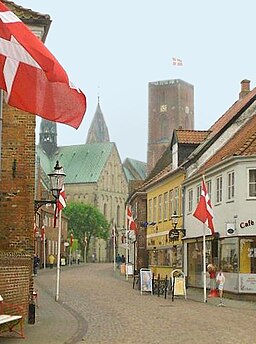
{"x":11,"y":319}
{"x":11,"y":323}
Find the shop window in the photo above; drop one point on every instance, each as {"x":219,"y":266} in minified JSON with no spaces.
{"x":175,"y":256}
{"x":229,"y":254}
{"x":248,"y":255}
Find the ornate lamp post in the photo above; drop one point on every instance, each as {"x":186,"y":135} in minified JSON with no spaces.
{"x":57,"y":183}
{"x":174,"y":232}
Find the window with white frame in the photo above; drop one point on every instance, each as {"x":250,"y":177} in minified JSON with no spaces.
{"x":150,"y":209}
{"x":252,"y":182}
{"x":160,"y":208}
{"x":176,"y":201}
{"x":209,"y":188}
{"x":170,"y":203}
{"x":154,"y":209}
{"x":165,"y":206}
{"x":219,"y":189}
{"x":231,"y":186}
{"x":190,"y":200}
{"x":198,"y":192}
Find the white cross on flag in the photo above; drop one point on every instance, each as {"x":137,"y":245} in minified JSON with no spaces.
{"x":177,"y":62}
{"x":203,"y":210}
{"x":32,"y":77}
{"x":60,"y":204}
{"x":131,"y":225}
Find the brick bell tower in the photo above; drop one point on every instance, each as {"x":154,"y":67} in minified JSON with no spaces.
{"x":170,"y":106}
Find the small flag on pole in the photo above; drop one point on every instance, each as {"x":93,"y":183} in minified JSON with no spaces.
{"x":203,"y":210}
{"x":177,"y":62}
{"x":131,"y":225}
{"x":60,"y":204}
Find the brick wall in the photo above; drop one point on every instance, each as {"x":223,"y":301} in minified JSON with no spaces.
{"x":15,"y":272}
{"x":17,"y":178}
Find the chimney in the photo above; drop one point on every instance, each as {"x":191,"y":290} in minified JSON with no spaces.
{"x":245,"y":88}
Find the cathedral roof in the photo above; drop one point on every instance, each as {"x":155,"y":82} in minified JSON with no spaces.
{"x":134,"y":169}
{"x":98,"y":131}
{"x":81,"y":163}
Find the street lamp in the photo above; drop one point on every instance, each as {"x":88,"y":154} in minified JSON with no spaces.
{"x":174,"y":232}
{"x":57,"y":183}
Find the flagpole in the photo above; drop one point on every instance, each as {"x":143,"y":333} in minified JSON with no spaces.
{"x":114,"y":246}
{"x":126,"y":243}
{"x":44,"y":251}
{"x":58,"y":259}
{"x":204,"y":263}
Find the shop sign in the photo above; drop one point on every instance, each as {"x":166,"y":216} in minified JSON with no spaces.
{"x":230,"y":228}
{"x":174,"y":234}
{"x":245,"y":224}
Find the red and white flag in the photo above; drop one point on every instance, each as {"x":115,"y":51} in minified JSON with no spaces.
{"x":203,"y":210}
{"x":32,"y":77}
{"x":71,"y":239}
{"x":60,"y":204}
{"x":131,"y":225}
{"x":43,"y":233}
{"x":177,"y":62}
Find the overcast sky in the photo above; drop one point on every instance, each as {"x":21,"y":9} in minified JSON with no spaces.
{"x":114,"y":48}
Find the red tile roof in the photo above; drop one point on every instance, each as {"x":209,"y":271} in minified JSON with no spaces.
{"x":243,"y":143}
{"x":232,"y":111}
{"x":191,"y":136}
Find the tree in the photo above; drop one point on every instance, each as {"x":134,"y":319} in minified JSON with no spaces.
{"x":86,"y":221}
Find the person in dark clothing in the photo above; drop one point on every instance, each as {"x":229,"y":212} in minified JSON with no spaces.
{"x":123,"y":259}
{"x":36,"y":264}
{"x":118,"y":260}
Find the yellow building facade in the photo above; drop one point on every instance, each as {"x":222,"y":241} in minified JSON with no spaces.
{"x":164,"y":222}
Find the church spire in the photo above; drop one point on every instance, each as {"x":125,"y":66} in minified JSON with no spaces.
{"x":98,"y":131}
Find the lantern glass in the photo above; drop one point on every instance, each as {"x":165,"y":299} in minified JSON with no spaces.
{"x":57,"y":179}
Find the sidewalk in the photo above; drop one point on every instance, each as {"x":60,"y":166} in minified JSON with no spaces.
{"x":197,"y":295}
{"x":55,"y":323}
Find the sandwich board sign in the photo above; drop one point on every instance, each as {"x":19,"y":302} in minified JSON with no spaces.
{"x":145,"y":280}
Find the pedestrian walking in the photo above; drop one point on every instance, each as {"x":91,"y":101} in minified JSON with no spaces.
{"x":36,"y":263}
{"x":123,"y":260}
{"x":51,"y":260}
{"x":220,"y":280}
{"x":118,"y":260}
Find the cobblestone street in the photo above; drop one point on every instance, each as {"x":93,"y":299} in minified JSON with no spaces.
{"x":116,"y":313}
{"x":100,"y":306}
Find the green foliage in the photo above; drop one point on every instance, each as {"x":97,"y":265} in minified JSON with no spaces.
{"x":86,"y":221}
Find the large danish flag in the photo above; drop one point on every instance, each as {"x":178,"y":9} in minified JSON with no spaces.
{"x":203,"y":210}
{"x":32,"y":77}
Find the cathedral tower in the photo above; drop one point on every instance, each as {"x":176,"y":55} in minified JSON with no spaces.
{"x":170,"y":106}
{"x":48,"y":136}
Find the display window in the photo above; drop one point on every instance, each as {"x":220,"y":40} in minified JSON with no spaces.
{"x":167,"y":257}
{"x":248,"y":255}
{"x":229,"y":255}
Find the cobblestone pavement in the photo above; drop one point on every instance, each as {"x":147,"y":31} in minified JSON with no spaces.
{"x":98,"y":306}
